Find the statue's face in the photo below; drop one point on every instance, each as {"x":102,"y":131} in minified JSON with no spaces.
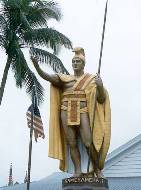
{"x":77,"y":64}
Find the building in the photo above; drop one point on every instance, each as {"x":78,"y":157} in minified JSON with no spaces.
{"x":123,"y":166}
{"x":10,"y":181}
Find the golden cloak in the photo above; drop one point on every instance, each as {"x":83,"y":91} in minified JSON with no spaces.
{"x":102,"y":123}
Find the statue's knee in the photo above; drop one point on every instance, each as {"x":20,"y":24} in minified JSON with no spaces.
{"x":72,"y":144}
{"x":88,"y":143}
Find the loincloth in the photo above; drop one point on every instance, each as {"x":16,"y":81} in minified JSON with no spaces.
{"x":73,"y":108}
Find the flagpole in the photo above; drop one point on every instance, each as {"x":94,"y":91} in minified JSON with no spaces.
{"x":99,"y":67}
{"x":30,"y":142}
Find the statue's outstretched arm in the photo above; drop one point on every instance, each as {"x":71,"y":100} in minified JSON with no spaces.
{"x":53,"y":78}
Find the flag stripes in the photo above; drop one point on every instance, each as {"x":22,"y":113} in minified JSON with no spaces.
{"x":37,"y":122}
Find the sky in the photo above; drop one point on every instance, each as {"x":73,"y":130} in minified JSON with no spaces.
{"x":121,"y":74}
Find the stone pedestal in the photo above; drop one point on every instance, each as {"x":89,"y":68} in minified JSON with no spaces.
{"x":84,"y":183}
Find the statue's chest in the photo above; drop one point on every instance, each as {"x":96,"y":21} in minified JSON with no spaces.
{"x":69,"y":85}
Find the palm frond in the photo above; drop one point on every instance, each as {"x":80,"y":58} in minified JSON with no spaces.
{"x":12,"y":3}
{"x":50,"y":9}
{"x":36,"y":18}
{"x":47,"y":37}
{"x":11,"y":13}
{"x":24,"y":23}
{"x":30,"y":81}
{"x":25,"y":77}
{"x":2,"y":41}
{"x":50,"y":59}
{"x":2,"y":22}
{"x":38,"y":12}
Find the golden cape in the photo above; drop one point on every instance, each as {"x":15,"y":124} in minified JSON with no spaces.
{"x":102,"y":123}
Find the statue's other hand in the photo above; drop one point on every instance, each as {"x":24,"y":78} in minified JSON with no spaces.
{"x":98,"y":81}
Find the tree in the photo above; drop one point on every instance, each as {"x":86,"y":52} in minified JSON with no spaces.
{"x":24,"y":24}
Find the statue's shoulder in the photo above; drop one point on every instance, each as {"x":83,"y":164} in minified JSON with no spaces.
{"x":66,"y":78}
{"x":92,"y":75}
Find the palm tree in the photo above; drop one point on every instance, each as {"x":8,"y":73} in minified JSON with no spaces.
{"x":24,"y":24}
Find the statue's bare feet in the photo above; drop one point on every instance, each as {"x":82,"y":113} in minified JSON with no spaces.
{"x":99,"y":173}
{"x":89,"y":174}
{"x":77,"y":175}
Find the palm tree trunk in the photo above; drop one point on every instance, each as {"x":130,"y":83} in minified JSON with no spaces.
{"x":4,"y":78}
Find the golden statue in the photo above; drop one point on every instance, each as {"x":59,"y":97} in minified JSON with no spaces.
{"x":72,"y":114}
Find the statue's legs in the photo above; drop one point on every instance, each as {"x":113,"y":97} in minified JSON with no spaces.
{"x":86,"y":136}
{"x":71,"y":137}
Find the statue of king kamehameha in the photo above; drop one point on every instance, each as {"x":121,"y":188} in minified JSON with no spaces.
{"x":72,"y":117}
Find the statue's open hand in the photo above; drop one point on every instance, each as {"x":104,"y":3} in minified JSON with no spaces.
{"x":98,"y":81}
{"x":34,"y":60}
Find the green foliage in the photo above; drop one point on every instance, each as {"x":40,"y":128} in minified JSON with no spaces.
{"x":24,"y":23}
{"x":24,"y":75}
{"x":46,"y":37}
{"x":51,"y":59}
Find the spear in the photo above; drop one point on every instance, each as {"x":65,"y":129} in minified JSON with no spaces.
{"x":103,"y":34}
{"x":99,"y":67}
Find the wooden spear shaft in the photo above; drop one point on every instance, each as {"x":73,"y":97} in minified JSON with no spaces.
{"x":99,"y":69}
{"x":103,"y":35}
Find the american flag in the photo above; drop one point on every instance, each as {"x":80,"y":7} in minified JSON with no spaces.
{"x":37,"y":122}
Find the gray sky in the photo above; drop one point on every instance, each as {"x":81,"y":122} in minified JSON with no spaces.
{"x":82,"y":23}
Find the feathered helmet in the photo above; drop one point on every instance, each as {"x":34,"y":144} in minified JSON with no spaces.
{"x":79,"y":53}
